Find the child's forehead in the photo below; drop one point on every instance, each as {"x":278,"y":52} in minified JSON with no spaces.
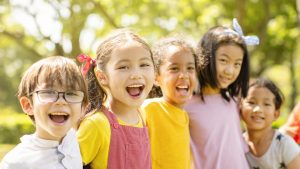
{"x":177,"y":48}
{"x":56,"y":82}
{"x":260,"y":91}
{"x":53,"y":85}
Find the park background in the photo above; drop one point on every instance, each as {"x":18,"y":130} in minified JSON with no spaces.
{"x":33,"y":29}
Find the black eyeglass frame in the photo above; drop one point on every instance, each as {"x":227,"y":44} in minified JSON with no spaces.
{"x":58,"y":94}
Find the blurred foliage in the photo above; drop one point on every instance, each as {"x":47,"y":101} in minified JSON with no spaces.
{"x":13,"y":125}
{"x":279,"y":122}
{"x":32,"y":29}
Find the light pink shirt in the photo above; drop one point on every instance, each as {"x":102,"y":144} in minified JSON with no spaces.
{"x":216,"y":136}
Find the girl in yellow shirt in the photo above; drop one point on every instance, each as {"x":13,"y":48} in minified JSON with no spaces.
{"x":167,"y":122}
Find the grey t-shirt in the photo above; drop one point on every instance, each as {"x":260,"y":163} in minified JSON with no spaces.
{"x":281,"y":152}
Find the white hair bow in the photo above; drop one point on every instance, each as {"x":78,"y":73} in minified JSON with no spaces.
{"x":249,"y":40}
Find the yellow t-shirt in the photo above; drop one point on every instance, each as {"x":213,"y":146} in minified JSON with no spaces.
{"x":94,"y":135}
{"x":169,"y":134}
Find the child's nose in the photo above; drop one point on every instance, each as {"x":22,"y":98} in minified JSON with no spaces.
{"x":135,"y":74}
{"x":229,"y":69}
{"x":257,"y":108}
{"x":183,"y":75}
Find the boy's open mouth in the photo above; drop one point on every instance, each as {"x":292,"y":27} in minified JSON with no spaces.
{"x":135,"y":90}
{"x":59,"y":117}
{"x":183,"y":90}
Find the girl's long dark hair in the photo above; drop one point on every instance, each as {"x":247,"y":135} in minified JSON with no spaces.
{"x":206,"y":50}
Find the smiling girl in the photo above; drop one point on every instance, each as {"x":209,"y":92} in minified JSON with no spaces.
{"x":216,"y":136}
{"x":114,"y":136}
{"x":168,"y":123}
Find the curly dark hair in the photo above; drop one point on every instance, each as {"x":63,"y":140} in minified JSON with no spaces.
{"x":159,"y":55}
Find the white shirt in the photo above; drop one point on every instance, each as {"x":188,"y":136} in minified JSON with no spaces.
{"x":281,"y":152}
{"x":37,"y":153}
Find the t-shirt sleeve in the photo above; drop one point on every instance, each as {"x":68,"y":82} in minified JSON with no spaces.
{"x":15,"y":159}
{"x":146,"y":110}
{"x":290,"y":149}
{"x":89,"y":138}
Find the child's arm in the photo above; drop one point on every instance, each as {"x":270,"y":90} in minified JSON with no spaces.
{"x":89,"y":140}
{"x":94,"y":139}
{"x":295,"y":163}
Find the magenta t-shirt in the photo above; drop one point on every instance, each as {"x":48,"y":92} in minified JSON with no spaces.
{"x":216,"y":136}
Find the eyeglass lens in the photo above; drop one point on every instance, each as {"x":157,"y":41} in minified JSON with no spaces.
{"x":52,"y":96}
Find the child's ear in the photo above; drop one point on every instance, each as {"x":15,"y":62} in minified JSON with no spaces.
{"x":276,"y":114}
{"x":157,"y":79}
{"x":26,"y":105}
{"x":102,"y":77}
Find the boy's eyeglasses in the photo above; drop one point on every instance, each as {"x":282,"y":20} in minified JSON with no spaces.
{"x":50,"y":96}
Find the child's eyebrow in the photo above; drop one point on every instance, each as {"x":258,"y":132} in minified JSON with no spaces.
{"x":225,"y":55}
{"x":122,"y":61}
{"x":268,"y":99}
{"x":145,"y":58}
{"x":191,"y":63}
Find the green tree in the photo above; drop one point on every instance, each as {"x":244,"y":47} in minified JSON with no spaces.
{"x":80,"y":25}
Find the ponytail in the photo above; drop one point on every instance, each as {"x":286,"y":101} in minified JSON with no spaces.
{"x":96,"y":94}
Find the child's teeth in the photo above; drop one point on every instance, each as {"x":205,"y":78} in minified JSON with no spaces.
{"x":59,"y":113}
{"x":135,"y":85}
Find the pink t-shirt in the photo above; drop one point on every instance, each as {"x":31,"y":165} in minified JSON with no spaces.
{"x":216,"y":136}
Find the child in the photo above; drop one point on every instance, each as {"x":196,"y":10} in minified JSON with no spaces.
{"x":216,"y":137}
{"x":165,"y":118}
{"x":114,"y":136}
{"x":292,"y":125}
{"x":268,"y":147}
{"x":53,"y":93}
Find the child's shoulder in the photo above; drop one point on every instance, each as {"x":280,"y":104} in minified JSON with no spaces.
{"x":16,"y":158}
{"x":94,"y":120}
{"x":151,"y":102}
{"x":281,"y":138}
{"x":98,"y":116}
{"x":285,"y":143}
{"x":285,"y":146}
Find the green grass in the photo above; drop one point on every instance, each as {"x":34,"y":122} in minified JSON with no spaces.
{"x":4,"y":148}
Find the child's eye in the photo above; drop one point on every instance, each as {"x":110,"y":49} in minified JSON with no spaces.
{"x":250,"y":102}
{"x":224,"y":61}
{"x":173,"y":68}
{"x":267,"y":104}
{"x":123,"y":67}
{"x":71,"y":93}
{"x":238,"y":64}
{"x":191,"y":68}
{"x":145,"y":65}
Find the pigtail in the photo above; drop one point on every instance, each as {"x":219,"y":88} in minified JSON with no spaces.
{"x":155,"y":92}
{"x":96,"y":94}
{"x":95,"y":91}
